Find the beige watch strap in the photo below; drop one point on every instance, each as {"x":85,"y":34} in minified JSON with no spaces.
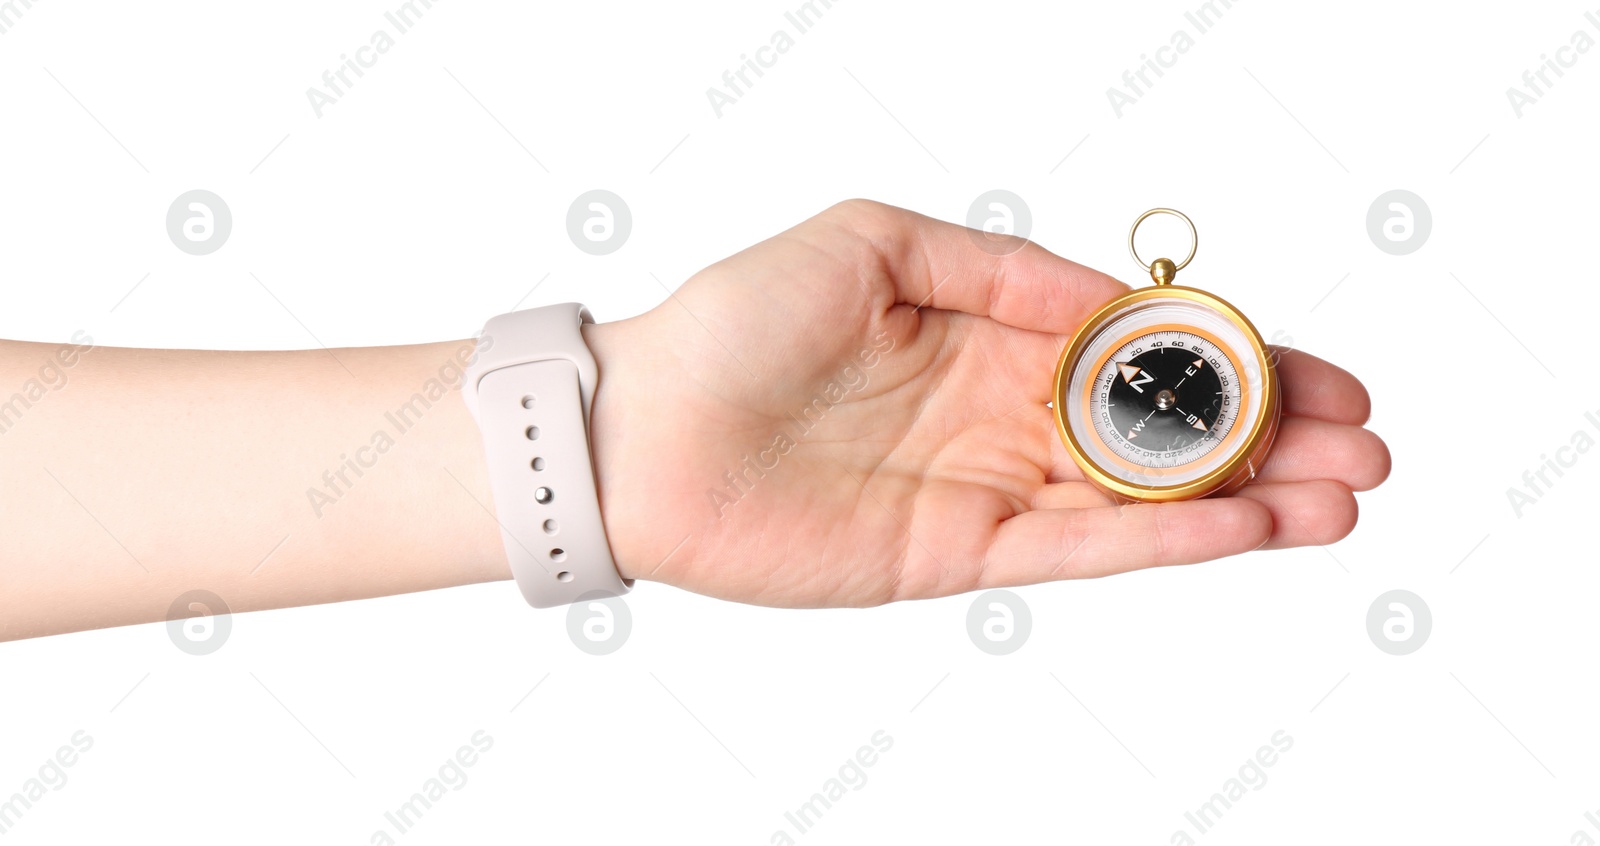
{"x":531,"y":389}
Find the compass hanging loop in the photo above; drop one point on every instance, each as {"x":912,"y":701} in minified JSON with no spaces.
{"x":1162,"y":270}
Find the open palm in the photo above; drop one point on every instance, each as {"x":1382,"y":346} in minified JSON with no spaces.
{"x":855,"y":412}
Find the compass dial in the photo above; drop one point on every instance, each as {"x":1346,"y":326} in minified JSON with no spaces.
{"x":1165,"y":398}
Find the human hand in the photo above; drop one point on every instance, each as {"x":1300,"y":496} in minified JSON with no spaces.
{"x":855,"y":412}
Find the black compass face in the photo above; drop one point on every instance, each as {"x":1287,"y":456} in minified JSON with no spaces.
{"x":1165,"y":399}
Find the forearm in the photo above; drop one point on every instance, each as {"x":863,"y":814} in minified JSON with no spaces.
{"x":271,"y":479}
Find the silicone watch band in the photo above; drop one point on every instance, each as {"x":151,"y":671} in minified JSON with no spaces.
{"x":531,"y":389}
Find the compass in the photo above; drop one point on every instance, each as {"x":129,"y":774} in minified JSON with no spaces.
{"x":1168,"y":392}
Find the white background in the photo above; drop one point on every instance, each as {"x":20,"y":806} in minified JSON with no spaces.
{"x":434,"y":194}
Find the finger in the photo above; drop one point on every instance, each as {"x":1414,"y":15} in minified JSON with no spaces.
{"x":1314,"y":513}
{"x":1308,"y":448}
{"x":1077,"y":543}
{"x":1314,"y":388}
{"x":1068,"y":495}
{"x":942,"y":265}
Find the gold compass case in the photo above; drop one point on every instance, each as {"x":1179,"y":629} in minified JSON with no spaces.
{"x":1233,"y":458}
